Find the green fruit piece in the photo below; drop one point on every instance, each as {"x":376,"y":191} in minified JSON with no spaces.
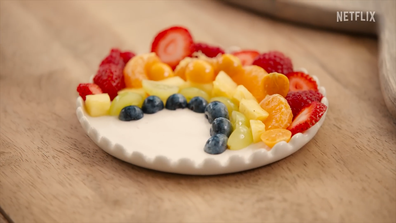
{"x":159,"y":89}
{"x":231,"y":106}
{"x":191,"y":92}
{"x":240,"y":138}
{"x":123,"y":100}
{"x":238,"y":119}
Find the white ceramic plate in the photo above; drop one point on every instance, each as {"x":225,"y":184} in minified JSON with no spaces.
{"x":173,"y":141}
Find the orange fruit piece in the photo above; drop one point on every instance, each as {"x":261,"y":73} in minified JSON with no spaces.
{"x":230,"y":64}
{"x":273,"y":136}
{"x":280,"y":114}
{"x":199,"y":71}
{"x":252,"y":78}
{"x":180,"y":70}
{"x":276,"y":83}
{"x":137,"y":69}
{"x":160,"y":71}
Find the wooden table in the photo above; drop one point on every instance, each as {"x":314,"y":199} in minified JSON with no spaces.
{"x":50,"y":171}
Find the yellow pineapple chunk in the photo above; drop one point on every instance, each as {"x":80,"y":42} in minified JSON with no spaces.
{"x":174,"y":81}
{"x":252,"y":110}
{"x":257,"y":127}
{"x":97,"y":104}
{"x":223,"y":85}
{"x":134,"y":90}
{"x":242,"y":93}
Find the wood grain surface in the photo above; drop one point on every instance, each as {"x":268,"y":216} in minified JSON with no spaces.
{"x":50,"y":171}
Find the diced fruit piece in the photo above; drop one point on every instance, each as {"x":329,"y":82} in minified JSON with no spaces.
{"x":253,"y":79}
{"x":208,"y":88}
{"x":214,"y":110}
{"x":273,"y":136}
{"x":127,"y":55}
{"x":216,"y":144}
{"x":97,"y":105}
{"x":221,"y":126}
{"x":231,"y":106}
{"x":137,"y":68}
{"x":299,"y":99}
{"x":160,"y":71}
{"x":88,"y":89}
{"x":159,"y":89}
{"x":275,"y":83}
{"x":230,"y":64}
{"x":197,"y":104}
{"x":174,"y":81}
{"x":238,"y":118}
{"x":300,"y":81}
{"x":246,"y":56}
{"x":191,"y":92}
{"x":130,"y":113}
{"x":257,"y":128}
{"x":240,"y":138}
{"x":176,"y":101}
{"x":199,"y":71}
{"x":208,"y":50}
{"x":123,"y":100}
{"x":214,"y":62}
{"x":274,"y":61}
{"x":114,"y":57}
{"x":280,"y":114}
{"x":110,"y":79}
{"x":223,"y":86}
{"x":180,"y":70}
{"x":252,"y":110}
{"x":140,"y":91}
{"x":152,"y":104}
{"x":307,"y":117}
{"x":242,"y":93}
{"x":172,"y":45}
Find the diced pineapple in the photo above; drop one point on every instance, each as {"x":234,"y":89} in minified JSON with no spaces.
{"x":223,"y":85}
{"x":240,"y":138}
{"x":134,"y":90}
{"x":123,"y":100}
{"x":252,"y":110}
{"x":257,"y":127}
{"x":97,"y":104}
{"x":231,"y":106}
{"x":174,"y":81}
{"x":242,"y":93}
{"x":159,"y":89}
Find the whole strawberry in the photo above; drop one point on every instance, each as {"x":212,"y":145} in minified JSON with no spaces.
{"x":113,"y":58}
{"x":110,"y":79}
{"x":208,"y":50}
{"x":85,"y":89}
{"x":299,"y":99}
{"x":274,"y":61}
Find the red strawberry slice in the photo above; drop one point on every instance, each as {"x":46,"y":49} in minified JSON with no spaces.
{"x":300,"y":81}
{"x":110,"y":79}
{"x":113,"y":58}
{"x":307,"y":117}
{"x":172,"y":45}
{"x":127,"y":55}
{"x":246,"y":56}
{"x":208,"y":50}
{"x":85,"y":89}
{"x":299,"y":99}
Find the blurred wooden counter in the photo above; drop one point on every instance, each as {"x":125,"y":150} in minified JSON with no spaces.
{"x":50,"y":171}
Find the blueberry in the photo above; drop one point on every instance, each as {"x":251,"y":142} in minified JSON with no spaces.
{"x":214,"y":110}
{"x":152,"y":104}
{"x":216,"y":144}
{"x":130,"y":113}
{"x":197,"y":104}
{"x":176,"y":101}
{"x":221,"y":126}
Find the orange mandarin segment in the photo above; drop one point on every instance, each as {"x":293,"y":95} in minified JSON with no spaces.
{"x":276,"y":83}
{"x":199,"y":71}
{"x":252,"y":78}
{"x":160,"y":71}
{"x":230,"y":64}
{"x":273,"y":136}
{"x":137,"y":68}
{"x":280,"y":114}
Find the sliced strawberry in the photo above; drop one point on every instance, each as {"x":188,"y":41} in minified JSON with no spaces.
{"x":307,"y":117}
{"x":172,"y":45}
{"x":246,"y":56}
{"x":299,"y":99}
{"x":110,"y":79}
{"x":85,"y":89}
{"x":208,"y":50}
{"x":127,"y":55}
{"x":300,"y":81}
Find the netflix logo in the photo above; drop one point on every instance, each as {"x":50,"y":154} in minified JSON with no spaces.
{"x":355,"y":16}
